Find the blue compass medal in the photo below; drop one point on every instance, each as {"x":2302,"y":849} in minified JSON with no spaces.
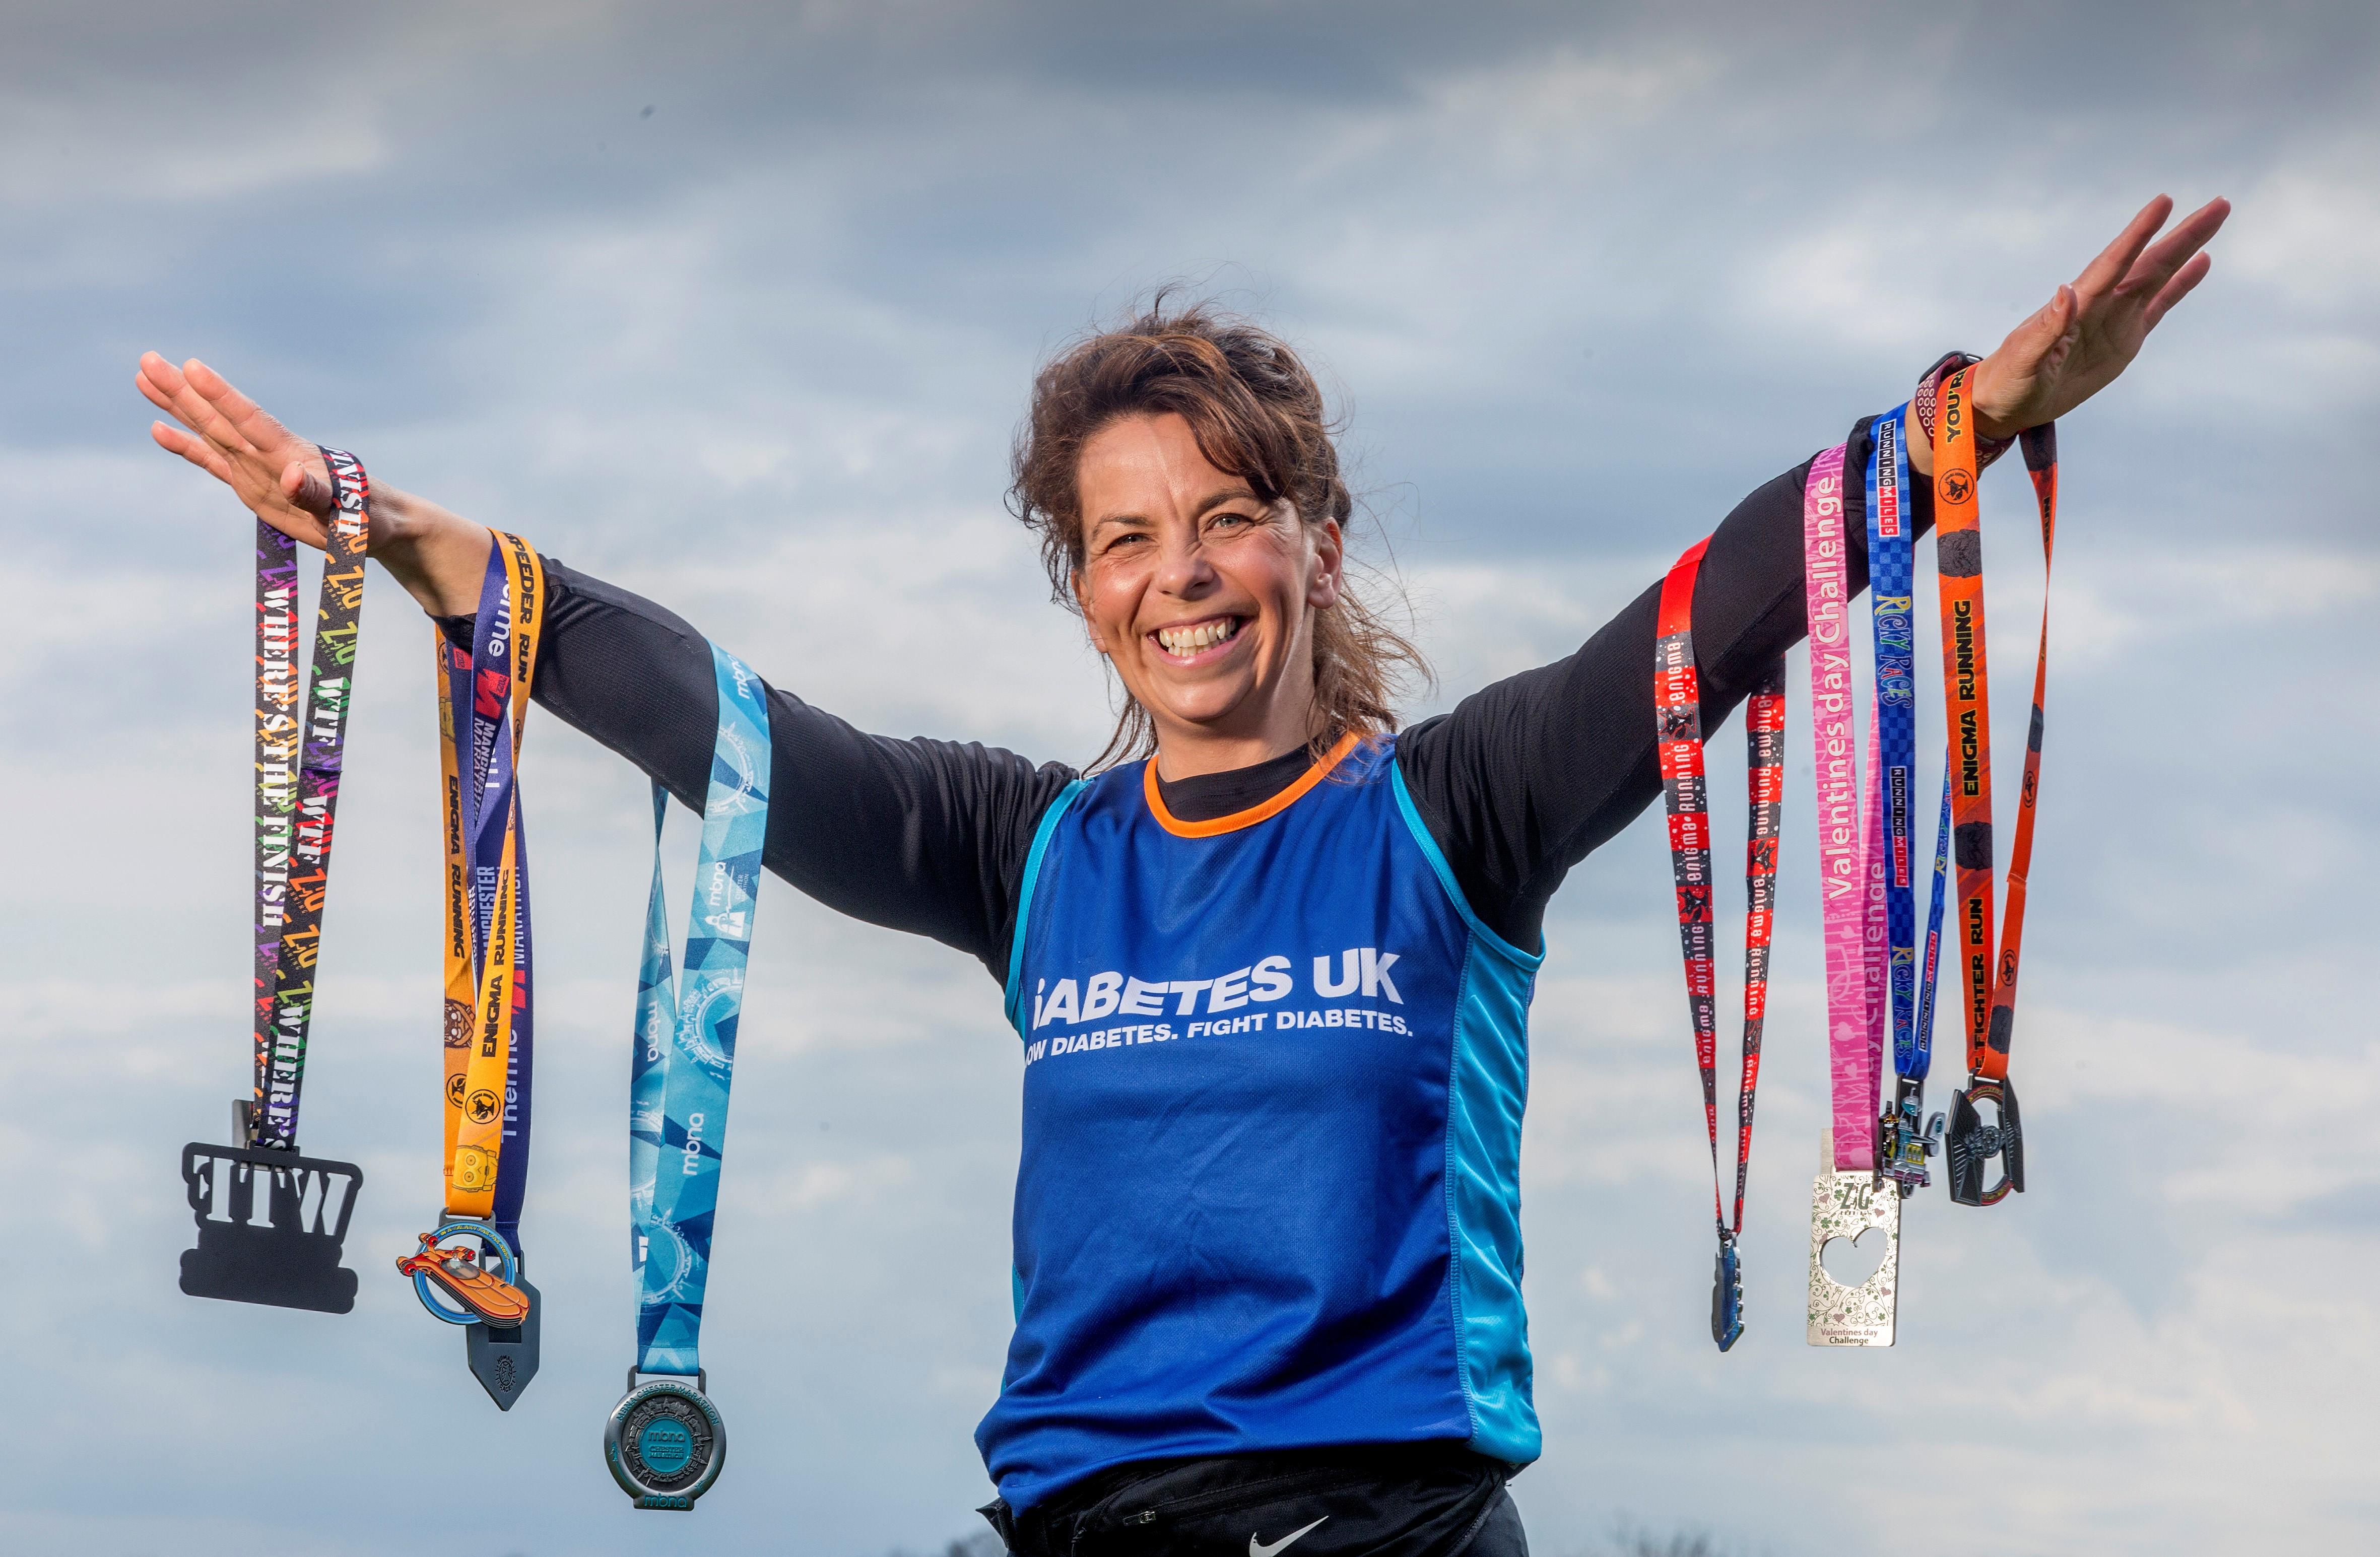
{"x":665,"y":1441}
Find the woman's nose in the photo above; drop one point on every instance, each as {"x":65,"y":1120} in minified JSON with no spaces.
{"x":1182,"y":568}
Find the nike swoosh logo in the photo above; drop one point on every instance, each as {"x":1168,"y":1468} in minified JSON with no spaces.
{"x":1258,"y":1548}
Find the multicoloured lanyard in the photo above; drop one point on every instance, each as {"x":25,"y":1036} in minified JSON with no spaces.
{"x":1847,"y":1200}
{"x":291,"y":1257}
{"x":1677,"y":706}
{"x":293,"y":826}
{"x":1989,"y":987}
{"x":666,"y":1442}
{"x":483,"y":697}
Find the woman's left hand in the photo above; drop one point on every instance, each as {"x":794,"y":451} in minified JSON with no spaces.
{"x":2091,"y":331}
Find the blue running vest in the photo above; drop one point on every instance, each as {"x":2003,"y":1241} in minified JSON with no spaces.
{"x":1268,"y":1198}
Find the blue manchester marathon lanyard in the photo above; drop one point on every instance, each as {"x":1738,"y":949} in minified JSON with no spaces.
{"x":1893,"y":571}
{"x":665,"y":1443}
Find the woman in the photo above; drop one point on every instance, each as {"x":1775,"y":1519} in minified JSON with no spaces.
{"x":1272,"y":982}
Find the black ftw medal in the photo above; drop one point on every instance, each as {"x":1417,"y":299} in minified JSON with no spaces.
{"x":1971,"y":1144}
{"x":270,"y":1225}
{"x":271,"y":1222}
{"x":666,"y":1442}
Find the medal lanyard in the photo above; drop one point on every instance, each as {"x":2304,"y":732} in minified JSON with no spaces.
{"x":271,"y":1222}
{"x":684,"y":1056}
{"x":298,"y":757}
{"x":1905,"y":1143}
{"x":1676,"y":698}
{"x":1890,"y":567}
{"x":1846,"y":856}
{"x":666,"y":1442}
{"x":483,"y":696}
{"x":1989,"y":988}
{"x":1847,"y":1199}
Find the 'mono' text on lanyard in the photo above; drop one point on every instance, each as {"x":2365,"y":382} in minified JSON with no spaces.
{"x":666,"y":1442}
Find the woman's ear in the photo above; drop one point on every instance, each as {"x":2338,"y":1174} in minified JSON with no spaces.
{"x":1322,"y":589}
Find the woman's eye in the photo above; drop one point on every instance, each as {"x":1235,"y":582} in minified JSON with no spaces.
{"x":1232,"y":521}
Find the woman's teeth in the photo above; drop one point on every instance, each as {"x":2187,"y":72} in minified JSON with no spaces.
{"x":1190,"y":640}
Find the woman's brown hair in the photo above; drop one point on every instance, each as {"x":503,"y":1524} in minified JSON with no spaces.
{"x":1256,"y":414}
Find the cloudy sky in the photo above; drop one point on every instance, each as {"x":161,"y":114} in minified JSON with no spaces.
{"x":735,"y":305}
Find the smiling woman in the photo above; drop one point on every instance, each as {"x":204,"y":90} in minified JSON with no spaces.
{"x":1181,"y":473}
{"x":1273,"y":1029}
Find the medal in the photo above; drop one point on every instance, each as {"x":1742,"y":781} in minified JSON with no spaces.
{"x":468,"y":1271}
{"x":1850,"y":1205}
{"x":282,"y":1246}
{"x":1988,"y":984}
{"x":1677,"y":708}
{"x":453,"y":1284}
{"x":666,"y":1442}
{"x":1973,"y":1143}
{"x":1847,"y":1198}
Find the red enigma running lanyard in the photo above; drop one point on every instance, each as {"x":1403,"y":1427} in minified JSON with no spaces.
{"x":1677,"y":708}
{"x":1966,"y":682}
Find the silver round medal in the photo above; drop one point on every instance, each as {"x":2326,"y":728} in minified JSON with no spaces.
{"x":666,"y":1442}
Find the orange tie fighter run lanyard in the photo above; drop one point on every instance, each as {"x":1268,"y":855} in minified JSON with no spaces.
{"x":1989,"y":986}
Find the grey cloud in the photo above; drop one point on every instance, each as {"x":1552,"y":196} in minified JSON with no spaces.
{"x":1582,"y":278}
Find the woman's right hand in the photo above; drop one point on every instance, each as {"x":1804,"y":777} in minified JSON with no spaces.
{"x":439,"y":557}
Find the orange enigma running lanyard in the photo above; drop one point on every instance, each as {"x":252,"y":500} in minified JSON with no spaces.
{"x":467,"y":1270}
{"x":1989,"y":988}
{"x":480,"y":1003}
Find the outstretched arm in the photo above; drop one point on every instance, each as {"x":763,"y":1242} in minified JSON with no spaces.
{"x":922,"y":836}
{"x":1527,"y":777}
{"x":927,"y":837}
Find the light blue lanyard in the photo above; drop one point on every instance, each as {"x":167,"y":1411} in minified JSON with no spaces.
{"x":684,"y":1056}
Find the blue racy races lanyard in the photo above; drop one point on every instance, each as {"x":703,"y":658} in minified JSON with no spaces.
{"x":1891,"y":564}
{"x":1893,"y":570}
{"x":684,"y":1056}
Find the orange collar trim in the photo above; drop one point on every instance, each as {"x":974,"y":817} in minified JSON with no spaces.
{"x":1254,"y":813}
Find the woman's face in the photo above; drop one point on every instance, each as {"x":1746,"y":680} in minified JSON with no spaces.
{"x":1199,"y":595}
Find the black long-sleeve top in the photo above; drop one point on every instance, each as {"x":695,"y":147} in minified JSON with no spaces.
{"x":1521,"y":781}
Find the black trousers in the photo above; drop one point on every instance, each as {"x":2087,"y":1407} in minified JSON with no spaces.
{"x":1366,"y":1500}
